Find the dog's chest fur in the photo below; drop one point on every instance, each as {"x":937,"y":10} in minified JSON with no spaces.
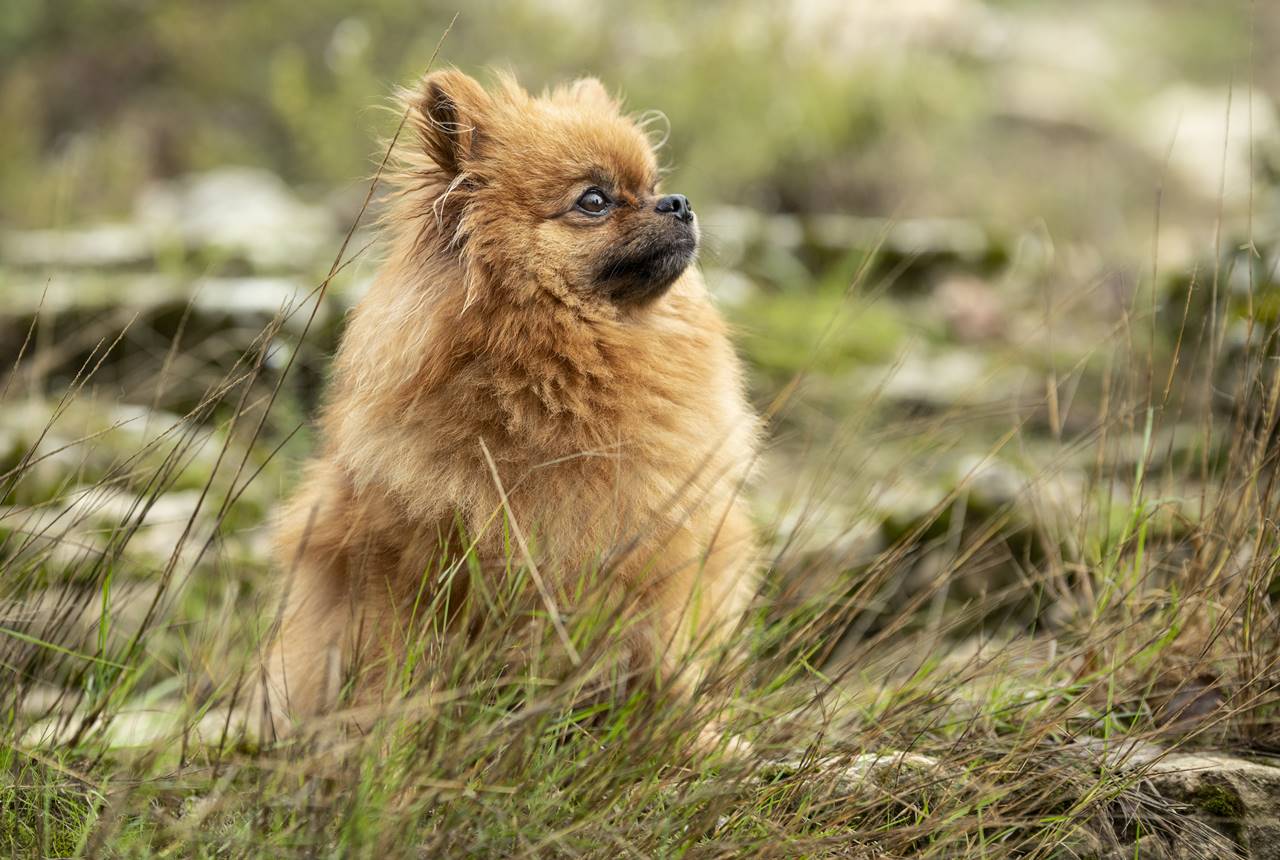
{"x":596,"y":430}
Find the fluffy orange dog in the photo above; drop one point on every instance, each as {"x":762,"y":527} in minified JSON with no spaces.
{"x":538,"y":348}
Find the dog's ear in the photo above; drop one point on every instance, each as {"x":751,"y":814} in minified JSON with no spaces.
{"x":591,"y":91}
{"x":450,"y":109}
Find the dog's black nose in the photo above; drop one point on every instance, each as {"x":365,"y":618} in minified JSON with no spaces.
{"x":677,"y":205}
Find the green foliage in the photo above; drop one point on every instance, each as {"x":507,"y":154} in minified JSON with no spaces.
{"x":45,"y":809}
{"x":789,"y":332}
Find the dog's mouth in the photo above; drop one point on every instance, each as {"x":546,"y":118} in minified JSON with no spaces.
{"x":641,"y":272}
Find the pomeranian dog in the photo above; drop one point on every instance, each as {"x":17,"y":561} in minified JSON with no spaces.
{"x":539,"y":358}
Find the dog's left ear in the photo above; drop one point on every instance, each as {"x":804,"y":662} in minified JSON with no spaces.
{"x":450,"y":110}
{"x":590,"y":91}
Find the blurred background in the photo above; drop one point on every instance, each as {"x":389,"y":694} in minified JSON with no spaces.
{"x":970,"y":249}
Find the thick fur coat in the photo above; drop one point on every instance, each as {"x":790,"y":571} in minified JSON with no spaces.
{"x":518,"y":343}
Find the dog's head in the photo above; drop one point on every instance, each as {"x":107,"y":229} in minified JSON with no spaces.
{"x":559,"y":191}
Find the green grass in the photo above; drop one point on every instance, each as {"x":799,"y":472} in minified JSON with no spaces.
{"x":887,"y":710}
{"x":966,"y":685}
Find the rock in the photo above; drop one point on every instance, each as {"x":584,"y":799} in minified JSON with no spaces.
{"x":996,"y":484}
{"x":148,"y":724}
{"x":868,"y":29}
{"x":730,"y":288}
{"x":1150,"y":847}
{"x":939,"y":237}
{"x":39,"y":699}
{"x":730,"y":233}
{"x":1081,"y":843}
{"x":246,"y":212}
{"x":820,"y":545}
{"x":971,"y":309}
{"x":257,"y":300}
{"x":923,"y":240}
{"x":784,"y":231}
{"x":76,"y":292}
{"x":887,"y":768}
{"x":1231,"y":804}
{"x":905,"y":502}
{"x":42,"y":536}
{"x":1191,"y":703}
{"x":936,"y":381}
{"x":993,"y":482}
{"x":1036,"y":38}
{"x":788,"y":249}
{"x":69,"y":617}
{"x":870,"y":772}
{"x":774,"y":252}
{"x":940,"y":378}
{"x":121,"y":327}
{"x":89,"y":438}
{"x":1237,"y":797}
{"x":1049,"y":97}
{"x":1191,"y":127}
{"x":100,"y":246}
{"x":158,"y":527}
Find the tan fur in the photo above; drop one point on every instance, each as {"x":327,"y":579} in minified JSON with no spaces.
{"x":620,"y":433}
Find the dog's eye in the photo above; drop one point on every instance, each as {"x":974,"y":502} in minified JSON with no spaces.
{"x":593,"y":202}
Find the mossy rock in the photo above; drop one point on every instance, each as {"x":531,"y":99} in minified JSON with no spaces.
{"x":1237,"y":797}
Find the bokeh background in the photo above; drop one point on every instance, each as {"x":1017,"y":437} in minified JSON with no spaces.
{"x":961,"y":242}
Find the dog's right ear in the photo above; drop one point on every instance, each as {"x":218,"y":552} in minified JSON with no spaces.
{"x":449,"y":114}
